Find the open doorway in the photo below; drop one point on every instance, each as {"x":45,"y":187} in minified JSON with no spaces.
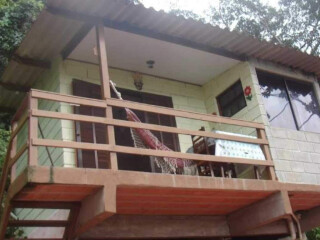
{"x":96,"y":133}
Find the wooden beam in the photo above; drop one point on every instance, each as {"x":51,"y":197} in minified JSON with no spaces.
{"x":95,"y":209}
{"x":73,"y":218}
{"x":158,"y":227}
{"x":146,"y":152}
{"x":5,"y":218}
{"x":43,"y":205}
{"x":266,"y":211}
{"x":32,"y":132}
{"x":105,"y":88}
{"x":126,"y":27}
{"x":77,"y":38}
{"x":275,"y":228}
{"x":31,"y":62}
{"x":37,"y":223}
{"x":14,"y":87}
{"x":182,"y":113}
{"x":52,"y":96}
{"x":139,"y":125}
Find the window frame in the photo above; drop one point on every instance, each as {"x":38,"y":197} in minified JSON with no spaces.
{"x":285,"y":79}
{"x":226,"y":90}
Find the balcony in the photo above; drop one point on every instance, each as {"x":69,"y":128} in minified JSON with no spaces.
{"x":107,"y":192}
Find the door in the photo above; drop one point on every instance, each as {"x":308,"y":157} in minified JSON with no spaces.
{"x":96,"y":133}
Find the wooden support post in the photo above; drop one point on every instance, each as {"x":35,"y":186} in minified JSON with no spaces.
{"x":13,"y":152}
{"x":72,"y":221}
{"x":265,"y":149}
{"x":271,"y":209}
{"x":105,"y":88}
{"x":292,"y":229}
{"x":33,"y":132}
{"x":5,"y":219}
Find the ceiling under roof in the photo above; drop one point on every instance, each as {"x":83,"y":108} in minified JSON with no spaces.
{"x":131,"y":52}
{"x":52,"y":32}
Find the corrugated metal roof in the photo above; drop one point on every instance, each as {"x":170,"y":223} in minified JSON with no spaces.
{"x":51,"y":33}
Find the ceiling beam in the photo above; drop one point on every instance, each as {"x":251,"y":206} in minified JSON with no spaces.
{"x":269,"y":210}
{"x":14,"y":87}
{"x":126,"y":27}
{"x":31,"y":62}
{"x":77,"y":38}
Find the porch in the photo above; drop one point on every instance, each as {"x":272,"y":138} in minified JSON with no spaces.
{"x":96,"y":198}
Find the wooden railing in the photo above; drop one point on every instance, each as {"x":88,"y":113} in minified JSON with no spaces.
{"x":34,"y":142}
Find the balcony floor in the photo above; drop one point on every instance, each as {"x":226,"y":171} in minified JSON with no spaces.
{"x":105,"y":193}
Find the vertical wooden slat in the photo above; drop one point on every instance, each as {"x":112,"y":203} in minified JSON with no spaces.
{"x":267,"y":153}
{"x":73,"y":217}
{"x":33,"y":132}
{"x":105,"y":87}
{"x":13,"y":152}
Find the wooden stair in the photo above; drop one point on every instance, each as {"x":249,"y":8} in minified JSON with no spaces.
{"x":68,"y":224}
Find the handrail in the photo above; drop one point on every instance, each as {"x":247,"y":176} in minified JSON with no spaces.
{"x":10,"y":160}
{"x":181,"y":113}
{"x":142,"y":107}
{"x":34,"y":141}
{"x":57,"y":97}
{"x":160,"y":128}
{"x":148,"y":152}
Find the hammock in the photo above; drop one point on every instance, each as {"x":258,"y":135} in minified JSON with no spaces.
{"x":144,"y":138}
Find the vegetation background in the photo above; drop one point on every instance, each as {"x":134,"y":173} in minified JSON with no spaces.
{"x":293,"y":23}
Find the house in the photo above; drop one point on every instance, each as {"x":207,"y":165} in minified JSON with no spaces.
{"x":241,"y":115}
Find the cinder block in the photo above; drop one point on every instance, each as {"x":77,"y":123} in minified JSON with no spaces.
{"x":284,"y":144}
{"x":301,"y":156}
{"x":309,"y":178}
{"x":305,"y":146}
{"x":315,"y":157}
{"x":316,"y":148}
{"x":312,"y":137}
{"x":293,"y":177}
{"x":285,"y":154}
{"x":296,"y":135}
{"x":297,"y":166}
{"x":282,"y":165}
{"x":278,"y":132}
{"x":311,"y":167}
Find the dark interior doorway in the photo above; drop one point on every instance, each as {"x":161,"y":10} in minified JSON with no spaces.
{"x":96,"y":133}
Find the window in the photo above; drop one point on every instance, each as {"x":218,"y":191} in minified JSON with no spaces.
{"x":231,"y":100}
{"x":289,"y":103}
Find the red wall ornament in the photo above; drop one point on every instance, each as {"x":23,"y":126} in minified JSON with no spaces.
{"x":247,"y":93}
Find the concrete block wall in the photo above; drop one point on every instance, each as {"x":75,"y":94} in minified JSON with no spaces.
{"x":296,"y":154}
{"x":219,"y":84}
{"x":184,"y":96}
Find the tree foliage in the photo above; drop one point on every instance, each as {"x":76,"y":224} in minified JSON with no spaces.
{"x":16,"y":17}
{"x":294,"y":23}
{"x":313,"y":234}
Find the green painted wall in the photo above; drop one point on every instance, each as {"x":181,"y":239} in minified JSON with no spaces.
{"x":184,"y":96}
{"x":51,"y":129}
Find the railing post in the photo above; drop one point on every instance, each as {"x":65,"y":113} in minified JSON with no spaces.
{"x":105,"y":89}
{"x":262,"y":134}
{"x":33,"y":132}
{"x":13,"y":151}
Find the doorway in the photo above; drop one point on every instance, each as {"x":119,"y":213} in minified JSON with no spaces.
{"x":96,"y":133}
